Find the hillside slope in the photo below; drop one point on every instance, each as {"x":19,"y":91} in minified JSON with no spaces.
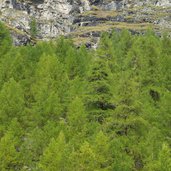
{"x":83,"y":20}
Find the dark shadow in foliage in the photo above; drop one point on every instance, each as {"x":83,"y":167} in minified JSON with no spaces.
{"x":154,"y":95}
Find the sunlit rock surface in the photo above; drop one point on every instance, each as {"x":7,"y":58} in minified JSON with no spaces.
{"x":83,"y":20}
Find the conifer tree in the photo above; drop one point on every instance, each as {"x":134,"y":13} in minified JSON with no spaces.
{"x":33,"y":27}
{"x":5,"y":40}
{"x":102,"y":151}
{"x":12,"y":102}
{"x":129,"y":107}
{"x":77,"y":62}
{"x":48,"y":79}
{"x":54,"y":156}
{"x":163,"y":161}
{"x":99,"y":98}
{"x":84,"y":158}
{"x":165,"y":158}
{"x":76,"y":115}
{"x":9,"y":156}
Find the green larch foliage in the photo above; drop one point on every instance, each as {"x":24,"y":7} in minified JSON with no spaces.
{"x":33,"y":27}
{"x":99,"y":95}
{"x":67,"y":108}
{"x":12,"y":102}
{"x":8,"y":153}
{"x":48,"y":78}
{"x":54,"y":156}
{"x":84,"y":158}
{"x":102,"y":151}
{"x":5,"y":40}
{"x":76,"y":115}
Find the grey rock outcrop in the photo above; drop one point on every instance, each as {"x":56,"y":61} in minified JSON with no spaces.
{"x":62,"y":17}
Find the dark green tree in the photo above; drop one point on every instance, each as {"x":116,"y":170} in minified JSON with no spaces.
{"x":33,"y":28}
{"x":5,"y":40}
{"x":99,"y":96}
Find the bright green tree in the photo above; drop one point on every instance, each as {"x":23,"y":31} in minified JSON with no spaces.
{"x":84,"y":158}
{"x":163,"y":162}
{"x":48,"y":79}
{"x":102,"y":151}
{"x":54,"y":156}
{"x":76,"y":115}
{"x":12,"y":102}
{"x":8,"y":153}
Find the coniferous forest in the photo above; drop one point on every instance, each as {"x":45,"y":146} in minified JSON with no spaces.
{"x":64,"y":108}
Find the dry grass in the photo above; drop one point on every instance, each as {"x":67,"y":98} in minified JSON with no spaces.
{"x":101,"y":13}
{"x":113,"y":25}
{"x":14,"y":29}
{"x":19,"y":32}
{"x":81,"y":40}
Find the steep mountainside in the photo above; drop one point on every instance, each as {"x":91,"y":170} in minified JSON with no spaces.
{"x":83,"y":20}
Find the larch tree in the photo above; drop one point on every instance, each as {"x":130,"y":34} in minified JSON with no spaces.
{"x":9,"y":155}
{"x":55,"y":156}
{"x":12,"y":102}
{"x":99,"y":95}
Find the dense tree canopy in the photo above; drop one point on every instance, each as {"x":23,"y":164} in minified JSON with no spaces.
{"x":64,"y":108}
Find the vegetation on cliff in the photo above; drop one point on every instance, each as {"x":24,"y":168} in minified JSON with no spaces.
{"x":71,"y":109}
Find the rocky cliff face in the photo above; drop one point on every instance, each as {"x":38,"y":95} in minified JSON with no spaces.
{"x":83,"y":20}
